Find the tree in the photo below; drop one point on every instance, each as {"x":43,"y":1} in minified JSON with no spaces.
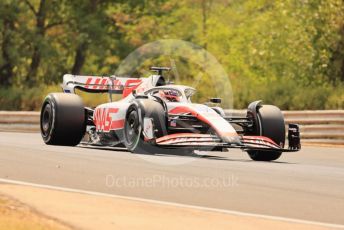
{"x":46,"y":17}
{"x":8,"y":18}
{"x":89,"y":25}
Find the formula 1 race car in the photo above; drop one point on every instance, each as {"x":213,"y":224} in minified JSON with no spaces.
{"x":153,"y":116}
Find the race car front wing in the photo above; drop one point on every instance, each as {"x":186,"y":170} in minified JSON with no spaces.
{"x":206,"y":141}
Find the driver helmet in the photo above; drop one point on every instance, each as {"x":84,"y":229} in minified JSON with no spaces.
{"x":170,"y":95}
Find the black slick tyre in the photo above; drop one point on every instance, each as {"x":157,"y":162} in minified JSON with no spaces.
{"x":133,"y":137}
{"x":62,"y":119}
{"x":270,"y":124}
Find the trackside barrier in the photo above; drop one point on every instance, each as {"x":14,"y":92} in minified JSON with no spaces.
{"x":317,"y":126}
{"x":19,"y":121}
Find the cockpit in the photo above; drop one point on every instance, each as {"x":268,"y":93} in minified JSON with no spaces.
{"x":173,"y":93}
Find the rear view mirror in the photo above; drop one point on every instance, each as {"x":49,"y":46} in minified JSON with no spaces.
{"x":215,"y":100}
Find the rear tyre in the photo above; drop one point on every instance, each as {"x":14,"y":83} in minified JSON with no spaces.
{"x":62,"y":120}
{"x":270,"y":123}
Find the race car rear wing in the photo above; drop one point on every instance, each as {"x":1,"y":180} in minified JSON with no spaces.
{"x":111,"y":84}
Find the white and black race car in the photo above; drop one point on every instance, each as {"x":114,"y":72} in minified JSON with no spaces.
{"x":153,"y":116}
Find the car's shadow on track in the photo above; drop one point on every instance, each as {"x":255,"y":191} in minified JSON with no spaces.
{"x":218,"y":158}
{"x":104,"y":148}
{"x":181,"y":154}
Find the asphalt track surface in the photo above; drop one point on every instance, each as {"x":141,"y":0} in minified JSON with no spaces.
{"x":307,"y":185}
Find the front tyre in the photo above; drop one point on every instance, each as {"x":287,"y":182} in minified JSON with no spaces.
{"x":133,"y":136}
{"x":62,"y":119}
{"x":132,"y":130}
{"x":269,"y":123}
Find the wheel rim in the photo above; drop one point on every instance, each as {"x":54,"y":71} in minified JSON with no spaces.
{"x":46,"y":120}
{"x":132,"y":128}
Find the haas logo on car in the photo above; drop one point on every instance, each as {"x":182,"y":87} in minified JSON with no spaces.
{"x":125,"y":86}
{"x":104,"y":119}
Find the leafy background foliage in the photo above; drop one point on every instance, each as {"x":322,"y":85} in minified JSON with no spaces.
{"x":285,"y":52}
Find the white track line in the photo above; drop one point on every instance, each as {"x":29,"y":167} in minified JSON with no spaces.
{"x":277,"y":218}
